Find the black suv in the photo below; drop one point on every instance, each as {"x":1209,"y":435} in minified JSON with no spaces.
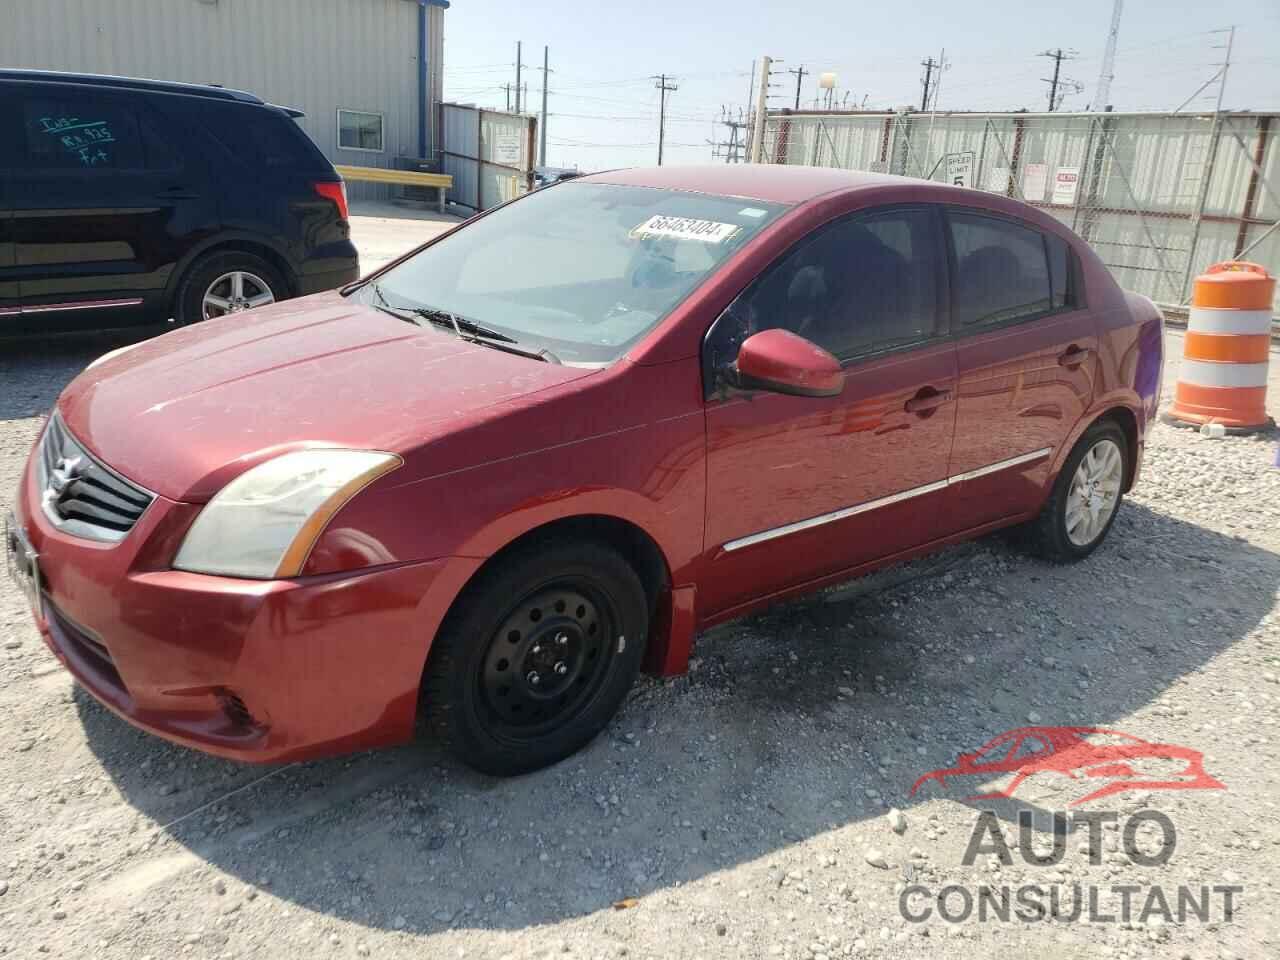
{"x":137,"y":201}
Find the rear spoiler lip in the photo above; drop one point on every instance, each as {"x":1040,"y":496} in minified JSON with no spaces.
{"x":294,"y":112}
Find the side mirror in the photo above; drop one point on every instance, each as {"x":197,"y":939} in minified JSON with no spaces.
{"x":783,"y":362}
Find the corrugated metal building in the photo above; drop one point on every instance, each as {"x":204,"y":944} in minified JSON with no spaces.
{"x":1159,"y":196}
{"x":355,"y":67}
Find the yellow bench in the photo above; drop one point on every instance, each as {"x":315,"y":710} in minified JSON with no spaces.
{"x":409,"y":178}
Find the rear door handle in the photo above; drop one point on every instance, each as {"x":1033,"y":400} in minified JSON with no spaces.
{"x":178,"y":193}
{"x":1073,"y":356}
{"x":927,"y":399}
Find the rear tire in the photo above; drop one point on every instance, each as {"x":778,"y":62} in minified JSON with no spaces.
{"x":258,"y":278}
{"x":536,"y":657}
{"x":1086,"y":497}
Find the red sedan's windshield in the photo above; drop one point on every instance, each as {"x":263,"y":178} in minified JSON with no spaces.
{"x":581,"y":269}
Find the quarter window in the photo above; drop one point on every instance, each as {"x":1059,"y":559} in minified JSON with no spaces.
{"x":359,"y":131}
{"x":857,"y":287}
{"x":1002,"y":271}
{"x":1062,"y":273}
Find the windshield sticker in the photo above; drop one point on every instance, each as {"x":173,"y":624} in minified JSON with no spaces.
{"x":685,"y":228}
{"x":753,"y":212}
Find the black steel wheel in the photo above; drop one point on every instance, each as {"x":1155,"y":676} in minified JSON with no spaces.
{"x":537,"y":656}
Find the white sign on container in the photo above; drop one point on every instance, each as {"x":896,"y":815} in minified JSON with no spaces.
{"x":1065,"y":182}
{"x":1035,"y":178}
{"x":506,"y":149}
{"x":960,"y":169}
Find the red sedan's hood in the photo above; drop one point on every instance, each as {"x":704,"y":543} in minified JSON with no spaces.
{"x":182,"y":413}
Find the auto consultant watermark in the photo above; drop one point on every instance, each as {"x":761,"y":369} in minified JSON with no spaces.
{"x":1110,"y":762}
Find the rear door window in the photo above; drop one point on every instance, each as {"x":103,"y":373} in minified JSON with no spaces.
{"x":1002,"y":272}
{"x":70,"y":132}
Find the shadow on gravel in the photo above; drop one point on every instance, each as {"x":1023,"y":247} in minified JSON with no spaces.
{"x":45,"y":365}
{"x":814,"y":715}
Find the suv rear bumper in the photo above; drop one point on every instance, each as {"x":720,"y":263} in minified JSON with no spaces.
{"x":329,"y":279}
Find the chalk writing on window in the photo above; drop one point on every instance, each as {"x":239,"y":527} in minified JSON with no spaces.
{"x":86,"y":140}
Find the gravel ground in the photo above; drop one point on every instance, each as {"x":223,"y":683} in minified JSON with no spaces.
{"x":745,"y":810}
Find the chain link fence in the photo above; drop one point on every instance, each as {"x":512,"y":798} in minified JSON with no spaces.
{"x":1158,"y":196}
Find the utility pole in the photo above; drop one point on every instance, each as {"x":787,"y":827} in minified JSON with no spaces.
{"x":508,"y":98}
{"x":762,"y":107}
{"x":517,"y":76}
{"x":929,"y":66}
{"x":542,"y":133}
{"x":663,"y":88}
{"x":1102,"y":93}
{"x":799,"y":72}
{"x":1057,"y":56}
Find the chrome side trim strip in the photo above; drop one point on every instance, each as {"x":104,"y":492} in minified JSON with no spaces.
{"x":893,"y":498}
{"x":1001,"y":465}
{"x":80,"y":305}
{"x":833,"y":516}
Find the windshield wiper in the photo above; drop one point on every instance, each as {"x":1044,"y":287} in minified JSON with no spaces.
{"x":478,"y":333}
{"x":445,"y":317}
{"x":466,"y":329}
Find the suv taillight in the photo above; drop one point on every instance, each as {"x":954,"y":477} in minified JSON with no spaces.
{"x":337,"y":192}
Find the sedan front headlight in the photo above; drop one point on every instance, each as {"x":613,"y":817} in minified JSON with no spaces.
{"x":264,"y":523}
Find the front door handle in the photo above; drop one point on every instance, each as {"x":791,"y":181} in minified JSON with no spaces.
{"x":1073,"y":356}
{"x":178,"y":193}
{"x":927,"y":400}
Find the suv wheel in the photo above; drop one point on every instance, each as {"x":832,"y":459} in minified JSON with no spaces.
{"x":224,"y":283}
{"x":1086,"y":496}
{"x":536,"y":657}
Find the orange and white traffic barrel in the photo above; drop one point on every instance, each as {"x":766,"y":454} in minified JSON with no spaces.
{"x":1223,"y":374}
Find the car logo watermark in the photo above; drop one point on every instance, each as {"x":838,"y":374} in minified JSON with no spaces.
{"x":1090,"y":902}
{"x":1082,"y":754}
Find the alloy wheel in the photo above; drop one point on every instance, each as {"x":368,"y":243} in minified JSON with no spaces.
{"x":1094,"y":493}
{"x":234,"y":292}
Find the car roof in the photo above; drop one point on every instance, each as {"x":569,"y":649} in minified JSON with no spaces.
{"x":131,"y":83}
{"x":776,"y":183}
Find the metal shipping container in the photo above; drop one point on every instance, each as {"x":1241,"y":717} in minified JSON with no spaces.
{"x":320,"y":56}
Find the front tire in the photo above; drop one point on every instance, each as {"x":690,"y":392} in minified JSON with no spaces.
{"x":536,"y":657}
{"x":1086,"y":496}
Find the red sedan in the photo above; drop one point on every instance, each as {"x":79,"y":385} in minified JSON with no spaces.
{"x":494,"y":480}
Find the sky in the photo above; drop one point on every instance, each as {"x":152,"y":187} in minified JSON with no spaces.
{"x":603,"y":101}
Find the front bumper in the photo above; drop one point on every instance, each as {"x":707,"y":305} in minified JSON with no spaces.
{"x":260,"y":671}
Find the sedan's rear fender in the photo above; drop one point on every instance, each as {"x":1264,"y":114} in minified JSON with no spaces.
{"x":1148,"y":376}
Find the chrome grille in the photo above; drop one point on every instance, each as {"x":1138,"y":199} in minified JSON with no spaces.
{"x":80,"y":495}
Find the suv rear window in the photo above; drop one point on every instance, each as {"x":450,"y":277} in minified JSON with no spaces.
{"x":262,"y":137}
